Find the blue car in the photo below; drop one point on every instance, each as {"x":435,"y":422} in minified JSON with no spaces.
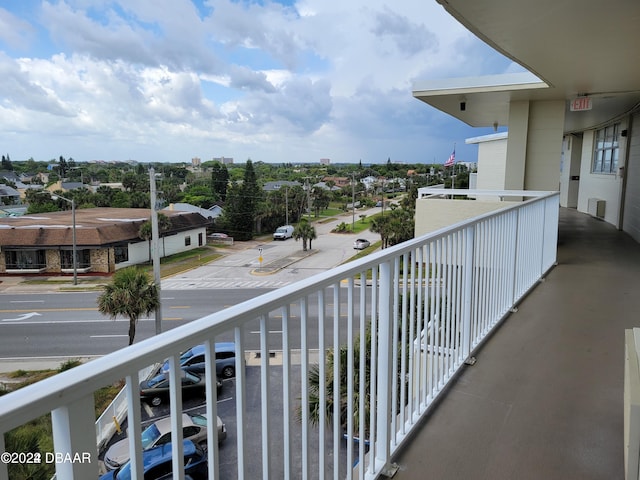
{"x":193,"y":360}
{"x":157,"y":463}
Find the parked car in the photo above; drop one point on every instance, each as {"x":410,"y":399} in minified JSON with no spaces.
{"x":194,"y":428}
{"x":156,"y":389}
{"x":158,"y":463}
{"x":193,"y":360}
{"x":284,"y":232}
{"x":361,"y":244}
{"x":218,"y":236}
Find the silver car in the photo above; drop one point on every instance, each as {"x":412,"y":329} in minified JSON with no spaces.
{"x":194,"y":428}
{"x":361,"y":244}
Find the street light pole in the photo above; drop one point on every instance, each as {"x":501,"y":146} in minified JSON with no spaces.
{"x":74,"y":247}
{"x":155,"y":248}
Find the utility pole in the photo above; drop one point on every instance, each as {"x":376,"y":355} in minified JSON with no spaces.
{"x":308,"y":197}
{"x":353,"y":202}
{"x":155,"y":251}
{"x":286,"y":204}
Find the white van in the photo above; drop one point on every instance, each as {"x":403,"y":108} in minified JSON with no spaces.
{"x":284,"y":232}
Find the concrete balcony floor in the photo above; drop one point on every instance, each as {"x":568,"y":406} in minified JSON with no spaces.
{"x":545,"y":398}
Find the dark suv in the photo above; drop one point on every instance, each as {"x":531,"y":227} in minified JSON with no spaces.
{"x":193,"y":360}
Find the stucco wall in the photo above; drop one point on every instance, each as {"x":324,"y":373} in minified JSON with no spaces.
{"x":492,"y":165}
{"x":435,"y":213}
{"x":544,"y":146}
{"x":569,"y":168}
{"x":176,"y":243}
{"x":606,"y":187}
{"x":631,"y":223}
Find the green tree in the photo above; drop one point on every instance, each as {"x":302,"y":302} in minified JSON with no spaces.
{"x":220,"y":180}
{"x":130,"y":294}
{"x":305,"y":231}
{"x":342,"y":396}
{"x":145,"y":230}
{"x":320,"y":199}
{"x":242,"y":205}
{"x":6,"y":163}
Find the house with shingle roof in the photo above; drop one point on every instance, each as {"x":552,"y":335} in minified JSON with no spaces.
{"x":107,"y":239}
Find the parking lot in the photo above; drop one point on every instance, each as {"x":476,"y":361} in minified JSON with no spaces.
{"x":228,"y":456}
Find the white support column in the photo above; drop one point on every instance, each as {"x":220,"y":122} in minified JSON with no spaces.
{"x":76,"y":456}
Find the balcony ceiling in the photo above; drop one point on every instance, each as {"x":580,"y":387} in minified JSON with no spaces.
{"x":575,"y":47}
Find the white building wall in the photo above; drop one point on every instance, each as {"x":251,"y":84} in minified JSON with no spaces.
{"x":173,"y":244}
{"x":517,"y":146}
{"x":170,"y":245}
{"x":138,"y":253}
{"x":631,"y":222}
{"x":491,"y":164}
{"x":435,"y":213}
{"x":605,"y":187}
{"x":544,"y":145}
{"x":570,"y":170}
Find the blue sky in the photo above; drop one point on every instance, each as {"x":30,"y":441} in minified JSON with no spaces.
{"x":289,"y":81}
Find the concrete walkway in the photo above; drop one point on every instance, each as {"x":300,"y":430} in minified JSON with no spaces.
{"x":545,"y":398}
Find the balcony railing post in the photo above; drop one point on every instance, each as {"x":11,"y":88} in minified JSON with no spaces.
{"x":3,"y":466}
{"x":134,"y":420}
{"x":384,"y":360}
{"x":467,"y":291}
{"x":76,"y":456}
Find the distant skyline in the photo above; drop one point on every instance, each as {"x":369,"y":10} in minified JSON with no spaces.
{"x":288,"y":81}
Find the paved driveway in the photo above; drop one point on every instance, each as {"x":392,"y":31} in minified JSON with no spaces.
{"x":283,"y":262}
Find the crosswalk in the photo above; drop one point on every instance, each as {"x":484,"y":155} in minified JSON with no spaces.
{"x":193,"y":283}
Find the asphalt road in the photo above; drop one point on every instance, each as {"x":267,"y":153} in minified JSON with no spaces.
{"x":39,"y":324}
{"x":69,"y":324}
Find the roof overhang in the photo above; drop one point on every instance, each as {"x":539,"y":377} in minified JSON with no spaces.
{"x":572,"y":48}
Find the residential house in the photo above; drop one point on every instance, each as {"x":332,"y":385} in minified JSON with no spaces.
{"x":106,"y":239}
{"x":279,"y":184}
{"x":210,"y":213}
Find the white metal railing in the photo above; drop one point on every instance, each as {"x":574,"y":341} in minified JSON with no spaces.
{"x":423,"y":307}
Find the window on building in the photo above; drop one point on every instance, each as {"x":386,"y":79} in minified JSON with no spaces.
{"x":121,"y":253}
{"x":605,"y":155}
{"x":25,"y":259}
{"x":83,"y":258}
{"x":187,"y":241}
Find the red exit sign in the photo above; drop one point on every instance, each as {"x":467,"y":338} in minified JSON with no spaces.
{"x":581,"y":103}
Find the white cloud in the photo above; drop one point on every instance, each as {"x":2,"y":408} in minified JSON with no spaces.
{"x":167,"y":80}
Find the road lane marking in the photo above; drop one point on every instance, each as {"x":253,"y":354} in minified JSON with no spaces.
{"x":107,"y":336}
{"x":78,"y":309}
{"x":57,"y":322}
{"x":24,"y":316}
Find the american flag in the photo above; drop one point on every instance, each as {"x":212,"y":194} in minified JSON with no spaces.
{"x":451,"y":160}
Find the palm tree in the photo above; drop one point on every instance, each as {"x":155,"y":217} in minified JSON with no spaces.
{"x":131,"y":293}
{"x":305,"y":231}
{"x":315,"y":382}
{"x":145,"y":230}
